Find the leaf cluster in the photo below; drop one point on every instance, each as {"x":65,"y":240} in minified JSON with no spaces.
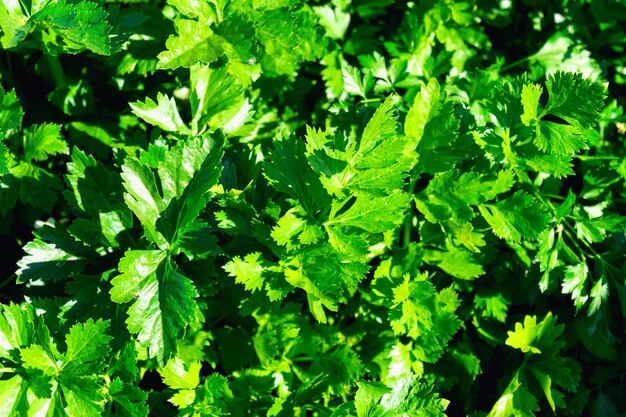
{"x":331,"y":208}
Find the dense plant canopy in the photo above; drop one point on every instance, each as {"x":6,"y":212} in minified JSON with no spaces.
{"x":329,"y":208}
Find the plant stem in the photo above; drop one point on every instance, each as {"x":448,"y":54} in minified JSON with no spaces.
{"x":406,"y":238}
{"x":515,"y":63}
{"x":58,"y":75}
{"x":7,"y":280}
{"x":370,"y":100}
{"x":599,"y":158}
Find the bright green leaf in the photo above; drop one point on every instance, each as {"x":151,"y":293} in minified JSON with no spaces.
{"x":163,"y":113}
{"x":163,"y":303}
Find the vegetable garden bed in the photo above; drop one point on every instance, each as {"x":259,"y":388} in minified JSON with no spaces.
{"x":329,"y":208}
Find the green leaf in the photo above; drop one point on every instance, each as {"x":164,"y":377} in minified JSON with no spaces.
{"x":11,"y":397}
{"x":189,"y":170}
{"x":557,"y":165}
{"x":324,"y":273}
{"x":123,"y":365}
{"x":377,"y":165}
{"x":531,"y":93}
{"x":53,"y":255}
{"x":42,"y":141}
{"x":403,"y":397}
{"x":289,"y":172}
{"x":415,"y":314}
{"x":163,"y":113}
{"x":356,"y":84}
{"x":213,"y":92}
{"x":94,"y":188}
{"x":595,"y":230}
{"x":379,"y":171}
{"x":372,"y":214}
{"x":561,"y":129}
{"x":599,"y":294}
{"x":87,"y":343}
{"x":380,"y":127}
{"x":36,"y":186}
{"x":80,"y":26}
{"x":543,"y":366}
{"x":19,"y":327}
{"x":164,"y":300}
{"x":537,"y":337}
{"x":11,"y":113}
{"x":516,"y":217}
{"x":48,"y":378}
{"x":291,"y":226}
{"x":368,"y":397}
{"x":214,"y":397}
{"x":177,"y":376}
{"x":576,"y":100}
{"x":98,"y":193}
{"x":200,"y":41}
{"x":546,"y":385}
{"x":354,"y":246}
{"x":255,"y":265}
{"x":34,"y":356}
{"x":197,"y":241}
{"x":334,"y":20}
{"x":194,"y":9}
{"x":128,"y":400}
{"x":247,"y":271}
{"x":516,"y":399}
{"x":558,"y":138}
{"x":426,"y":106}
{"x":261,"y":5}
{"x":565,"y":208}
{"x":193,"y":43}
{"x":282,"y":44}
{"x":87,"y":349}
{"x":83,"y":396}
{"x":505,"y":104}
{"x":466,"y":235}
{"x":450,"y":196}
{"x":526,"y":335}
{"x":4,"y":160}
{"x":14,"y":21}
{"x":560,"y":53}
{"x":424,"y":315}
{"x":142,"y":196}
{"x":432,"y":127}
{"x":257,"y":273}
{"x":455,"y":261}
{"x":495,"y":306}
{"x":593,"y":329}
{"x":575,"y":283}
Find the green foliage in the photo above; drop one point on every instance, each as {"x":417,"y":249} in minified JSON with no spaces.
{"x":334,"y":208}
{"x":543,"y":367}
{"x":62,"y":27}
{"x":23,"y":150}
{"x":164,"y":303}
{"x":47,"y":381}
{"x":246,"y":34}
{"x":405,"y":397}
{"x":193,"y":399}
